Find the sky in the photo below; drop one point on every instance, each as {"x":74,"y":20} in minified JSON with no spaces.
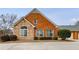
{"x":60,"y":16}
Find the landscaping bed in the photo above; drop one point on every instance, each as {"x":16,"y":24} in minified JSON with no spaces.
{"x":5,"y":38}
{"x":45,"y":38}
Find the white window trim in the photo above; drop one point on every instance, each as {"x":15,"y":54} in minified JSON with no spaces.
{"x":38,"y":35}
{"x":52,"y":31}
{"x":21,"y":34}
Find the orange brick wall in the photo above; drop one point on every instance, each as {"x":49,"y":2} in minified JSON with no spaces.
{"x":43,"y":23}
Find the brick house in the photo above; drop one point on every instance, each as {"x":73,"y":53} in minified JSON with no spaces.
{"x":35,"y":24}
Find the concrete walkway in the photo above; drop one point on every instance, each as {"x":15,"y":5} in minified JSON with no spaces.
{"x":62,"y":45}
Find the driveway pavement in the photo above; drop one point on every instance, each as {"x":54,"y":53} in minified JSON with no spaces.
{"x":62,"y":45}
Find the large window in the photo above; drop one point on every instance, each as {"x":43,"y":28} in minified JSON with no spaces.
{"x":39,"y":33}
{"x":23,"y":31}
{"x":49,"y":33}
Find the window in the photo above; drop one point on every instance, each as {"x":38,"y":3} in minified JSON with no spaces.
{"x":39,"y":33}
{"x":23,"y":31}
{"x":35,"y":22}
{"x":49,"y":33}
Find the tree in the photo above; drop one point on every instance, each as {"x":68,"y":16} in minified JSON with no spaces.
{"x":64,"y":33}
{"x":7,"y":22}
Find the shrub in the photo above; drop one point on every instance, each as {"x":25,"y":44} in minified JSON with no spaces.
{"x":8,"y":38}
{"x":64,"y":33}
{"x":35,"y":38}
{"x":5,"y":38}
{"x":48,"y":38}
{"x":13,"y":37}
{"x":55,"y":38}
{"x":43,"y":38}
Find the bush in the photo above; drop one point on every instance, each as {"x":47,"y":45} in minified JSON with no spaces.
{"x":64,"y":33}
{"x":48,"y":38}
{"x":13,"y":37}
{"x":5,"y":38}
{"x":55,"y":38}
{"x":8,"y":38}
{"x":35,"y":38}
{"x":43,"y":38}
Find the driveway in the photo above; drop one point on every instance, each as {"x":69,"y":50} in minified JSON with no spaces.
{"x":62,"y":45}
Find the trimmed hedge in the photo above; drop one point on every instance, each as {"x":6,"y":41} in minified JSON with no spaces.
{"x":8,"y":38}
{"x":43,"y":38}
{"x":35,"y":38}
{"x":55,"y":38}
{"x":13,"y":37}
{"x":5,"y":38}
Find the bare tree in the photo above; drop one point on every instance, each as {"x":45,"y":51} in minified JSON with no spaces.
{"x":8,"y":21}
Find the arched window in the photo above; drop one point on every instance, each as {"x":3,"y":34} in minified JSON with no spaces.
{"x":23,"y":31}
{"x":39,"y":33}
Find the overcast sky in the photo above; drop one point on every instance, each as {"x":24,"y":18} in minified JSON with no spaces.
{"x":61,"y":16}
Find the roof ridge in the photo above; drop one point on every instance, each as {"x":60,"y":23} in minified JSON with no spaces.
{"x":22,"y":18}
{"x":35,"y":10}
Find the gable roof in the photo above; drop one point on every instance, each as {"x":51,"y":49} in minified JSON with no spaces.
{"x":70,"y":27}
{"x":35,"y":10}
{"x":21,"y":19}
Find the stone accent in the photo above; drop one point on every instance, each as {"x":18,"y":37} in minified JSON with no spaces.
{"x":30,"y":31}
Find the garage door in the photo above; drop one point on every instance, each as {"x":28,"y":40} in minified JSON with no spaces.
{"x":78,"y":35}
{"x":74,"y":35}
